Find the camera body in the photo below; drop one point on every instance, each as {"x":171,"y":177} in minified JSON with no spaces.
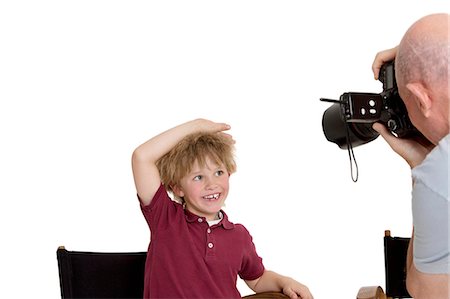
{"x":348,"y":122}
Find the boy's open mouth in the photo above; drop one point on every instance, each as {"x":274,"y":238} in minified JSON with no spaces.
{"x":212,"y":196}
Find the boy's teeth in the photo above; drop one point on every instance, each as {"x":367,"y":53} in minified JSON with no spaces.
{"x":212,"y":196}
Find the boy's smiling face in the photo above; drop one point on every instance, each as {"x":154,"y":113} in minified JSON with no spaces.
{"x":204,"y":189}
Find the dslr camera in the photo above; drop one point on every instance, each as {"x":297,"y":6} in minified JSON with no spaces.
{"x":348,"y":121}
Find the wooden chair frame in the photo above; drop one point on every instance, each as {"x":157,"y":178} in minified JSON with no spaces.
{"x":395,"y":252}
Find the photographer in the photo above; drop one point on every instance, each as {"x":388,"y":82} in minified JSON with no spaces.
{"x":422,"y":72}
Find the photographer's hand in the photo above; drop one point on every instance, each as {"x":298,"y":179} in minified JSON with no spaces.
{"x":413,"y":151}
{"x":381,"y":58}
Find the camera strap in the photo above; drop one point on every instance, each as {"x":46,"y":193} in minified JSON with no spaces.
{"x":351,"y":156}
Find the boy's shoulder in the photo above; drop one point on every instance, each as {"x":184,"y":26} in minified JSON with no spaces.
{"x":238,"y":228}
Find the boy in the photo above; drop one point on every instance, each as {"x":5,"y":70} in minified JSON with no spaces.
{"x":194,"y":251}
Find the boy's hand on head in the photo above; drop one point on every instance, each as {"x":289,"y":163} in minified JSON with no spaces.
{"x":210,"y":126}
{"x":213,"y":127}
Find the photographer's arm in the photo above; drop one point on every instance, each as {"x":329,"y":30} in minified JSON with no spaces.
{"x":145,"y":172}
{"x":381,"y":58}
{"x":420,"y":285}
{"x":423,"y":285}
{"x":412,"y":151}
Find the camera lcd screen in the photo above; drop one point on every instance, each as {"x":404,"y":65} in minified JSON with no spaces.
{"x":364,"y":107}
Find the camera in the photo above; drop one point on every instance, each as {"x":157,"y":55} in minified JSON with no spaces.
{"x":348,"y":121}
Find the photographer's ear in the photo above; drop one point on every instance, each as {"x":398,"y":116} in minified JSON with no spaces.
{"x":421,"y":97}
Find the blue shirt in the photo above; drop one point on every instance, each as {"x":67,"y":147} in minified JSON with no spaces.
{"x":431,"y":209}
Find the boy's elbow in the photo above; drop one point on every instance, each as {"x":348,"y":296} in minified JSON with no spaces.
{"x":138,"y":156}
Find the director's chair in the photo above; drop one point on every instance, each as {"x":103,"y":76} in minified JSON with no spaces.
{"x":109,"y":275}
{"x":100,"y":275}
{"x":395,"y":252}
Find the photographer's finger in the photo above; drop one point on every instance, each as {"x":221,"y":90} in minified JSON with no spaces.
{"x":376,"y":66}
{"x":383,"y":131}
{"x":381,"y":58}
{"x":397,"y":144}
{"x":377,"y":63}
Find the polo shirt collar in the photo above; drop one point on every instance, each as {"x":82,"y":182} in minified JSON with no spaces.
{"x":225,"y":223}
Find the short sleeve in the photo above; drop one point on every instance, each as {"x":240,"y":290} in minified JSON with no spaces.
{"x":431,"y":231}
{"x":252,"y":265}
{"x":431,"y":210}
{"x":160,"y":211}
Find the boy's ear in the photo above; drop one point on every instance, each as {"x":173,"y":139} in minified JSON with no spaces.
{"x":421,"y":97}
{"x":177,"y":190}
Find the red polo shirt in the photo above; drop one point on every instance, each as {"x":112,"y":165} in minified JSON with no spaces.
{"x":189,"y":259}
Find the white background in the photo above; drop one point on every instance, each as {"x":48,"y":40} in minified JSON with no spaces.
{"x":82,"y":83}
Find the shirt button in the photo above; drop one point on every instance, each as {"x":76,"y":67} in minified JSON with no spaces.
{"x":208,"y":230}
{"x":200,"y":220}
{"x":210,"y":245}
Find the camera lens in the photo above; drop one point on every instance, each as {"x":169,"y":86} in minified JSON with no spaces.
{"x":343,"y":133}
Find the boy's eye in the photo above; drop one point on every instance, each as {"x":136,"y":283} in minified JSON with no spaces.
{"x":219,"y":172}
{"x":197,"y":178}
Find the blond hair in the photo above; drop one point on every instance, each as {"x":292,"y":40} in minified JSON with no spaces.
{"x":197,"y":147}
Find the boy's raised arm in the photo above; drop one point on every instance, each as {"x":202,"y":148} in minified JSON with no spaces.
{"x":145,"y":172}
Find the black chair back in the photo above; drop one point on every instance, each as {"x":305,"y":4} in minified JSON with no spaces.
{"x":395,"y":252}
{"x":101,"y":275}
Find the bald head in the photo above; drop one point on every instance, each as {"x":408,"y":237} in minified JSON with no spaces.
{"x":422,"y":73}
{"x":423,"y":53}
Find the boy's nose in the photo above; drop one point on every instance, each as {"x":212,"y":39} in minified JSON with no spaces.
{"x":211,"y":184}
